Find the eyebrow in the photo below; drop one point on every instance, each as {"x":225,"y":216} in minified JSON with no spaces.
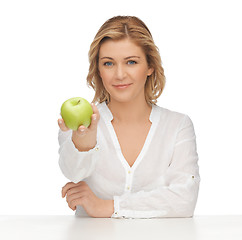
{"x":124,"y":58}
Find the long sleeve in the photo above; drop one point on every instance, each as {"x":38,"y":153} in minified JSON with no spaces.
{"x":75,"y":165}
{"x":177,"y":192}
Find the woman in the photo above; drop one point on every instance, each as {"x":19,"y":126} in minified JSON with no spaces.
{"x":136,"y":159}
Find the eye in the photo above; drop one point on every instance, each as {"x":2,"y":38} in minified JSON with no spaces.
{"x":131,"y":62}
{"x":108,"y":64}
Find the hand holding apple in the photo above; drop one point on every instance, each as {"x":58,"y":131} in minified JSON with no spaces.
{"x":84,"y":137}
{"x":76,"y":112}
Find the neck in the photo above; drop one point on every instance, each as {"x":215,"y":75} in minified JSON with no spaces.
{"x":130,"y":112}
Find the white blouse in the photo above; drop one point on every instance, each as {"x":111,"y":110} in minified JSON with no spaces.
{"x":162,"y":182}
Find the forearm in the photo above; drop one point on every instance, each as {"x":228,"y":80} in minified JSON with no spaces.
{"x":75,"y":165}
{"x":176,"y":200}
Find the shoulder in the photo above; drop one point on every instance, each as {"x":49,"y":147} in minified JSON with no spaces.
{"x":168,"y":113}
{"x":173,"y":118}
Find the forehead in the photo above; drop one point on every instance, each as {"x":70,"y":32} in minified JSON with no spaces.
{"x":120,"y":49}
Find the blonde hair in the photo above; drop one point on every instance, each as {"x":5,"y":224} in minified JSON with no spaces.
{"x":118,"y":28}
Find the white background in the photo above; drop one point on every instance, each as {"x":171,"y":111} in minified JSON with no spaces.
{"x":43,"y":61}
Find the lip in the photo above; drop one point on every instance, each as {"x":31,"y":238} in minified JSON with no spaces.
{"x":122,"y":86}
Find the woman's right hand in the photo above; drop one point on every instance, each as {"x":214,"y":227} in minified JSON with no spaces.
{"x":84,"y":138}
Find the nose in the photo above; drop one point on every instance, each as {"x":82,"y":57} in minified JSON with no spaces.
{"x":120,"y":72}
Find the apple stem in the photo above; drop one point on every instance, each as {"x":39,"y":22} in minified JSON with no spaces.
{"x":78,"y":101}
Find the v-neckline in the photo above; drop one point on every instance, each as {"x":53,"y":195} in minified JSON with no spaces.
{"x":153,"y":119}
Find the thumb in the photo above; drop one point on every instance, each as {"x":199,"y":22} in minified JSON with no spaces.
{"x":62,"y":125}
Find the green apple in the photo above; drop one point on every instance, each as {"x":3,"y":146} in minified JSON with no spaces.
{"x":76,"y":112}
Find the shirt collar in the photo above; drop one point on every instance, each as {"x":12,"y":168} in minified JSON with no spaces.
{"x":109,"y":117}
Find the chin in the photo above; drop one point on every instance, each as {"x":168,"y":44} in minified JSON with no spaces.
{"x":124,"y":99}
{"x":127,"y":97}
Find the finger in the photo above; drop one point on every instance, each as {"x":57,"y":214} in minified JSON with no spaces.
{"x":78,"y":201}
{"x":95,"y":117}
{"x":69,"y":186}
{"x":65,"y":188}
{"x":62,"y":125}
{"x":80,"y":190}
{"x":74,"y":203}
{"x":75,"y":196}
{"x":94,"y":122}
{"x":82,"y":130}
{"x":95,"y":110}
{"x":74,"y":190}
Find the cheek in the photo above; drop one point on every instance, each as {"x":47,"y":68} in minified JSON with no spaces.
{"x":141,"y":76}
{"x":106,"y":78}
{"x":104,"y":74}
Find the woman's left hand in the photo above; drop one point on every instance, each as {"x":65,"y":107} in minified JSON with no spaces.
{"x":80,"y":194}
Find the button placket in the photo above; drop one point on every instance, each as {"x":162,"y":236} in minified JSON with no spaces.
{"x":129,"y":177}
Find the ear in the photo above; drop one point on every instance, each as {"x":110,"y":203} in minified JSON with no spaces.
{"x":150,"y":71}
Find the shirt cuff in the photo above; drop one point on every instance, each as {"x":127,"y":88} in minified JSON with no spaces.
{"x":116,"y":213}
{"x":122,"y":213}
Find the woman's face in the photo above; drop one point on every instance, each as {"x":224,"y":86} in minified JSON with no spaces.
{"x":123,"y":69}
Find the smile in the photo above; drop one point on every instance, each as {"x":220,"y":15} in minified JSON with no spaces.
{"x":122,"y":86}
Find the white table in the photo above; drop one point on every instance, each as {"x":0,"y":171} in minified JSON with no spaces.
{"x":71,"y":227}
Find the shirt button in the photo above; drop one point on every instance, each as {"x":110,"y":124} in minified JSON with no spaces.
{"x":128,"y":187}
{"x":129,"y":172}
{"x":96,"y":148}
